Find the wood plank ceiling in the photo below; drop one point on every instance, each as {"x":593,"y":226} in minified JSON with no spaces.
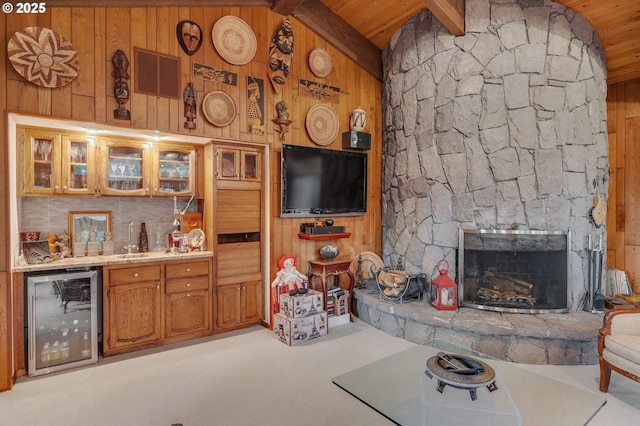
{"x":362,"y":28}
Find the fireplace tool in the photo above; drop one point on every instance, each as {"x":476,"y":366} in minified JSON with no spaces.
{"x":594,"y":299}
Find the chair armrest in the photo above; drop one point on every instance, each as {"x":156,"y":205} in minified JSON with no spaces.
{"x":618,"y":320}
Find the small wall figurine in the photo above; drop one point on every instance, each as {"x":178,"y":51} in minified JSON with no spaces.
{"x":121,"y":87}
{"x":288,"y":277}
{"x":283,"y":110}
{"x":190,"y":98}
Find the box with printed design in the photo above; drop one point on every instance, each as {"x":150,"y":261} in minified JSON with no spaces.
{"x":293,"y":331}
{"x":302,"y":305}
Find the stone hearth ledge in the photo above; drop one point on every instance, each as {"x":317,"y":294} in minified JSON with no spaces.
{"x":558,"y":339}
{"x":89,"y":261}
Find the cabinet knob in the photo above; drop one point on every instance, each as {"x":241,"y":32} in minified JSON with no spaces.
{"x":64,"y":188}
{"x":188,"y":284}
{"x":135,"y":275}
{"x":188,"y":294}
{"x":56,"y":187}
{"x":188,"y":269}
{"x":158,"y":286}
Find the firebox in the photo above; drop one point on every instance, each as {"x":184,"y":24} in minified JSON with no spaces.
{"x":514,"y":271}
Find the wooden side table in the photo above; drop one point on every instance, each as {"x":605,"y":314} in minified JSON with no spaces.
{"x":325,"y":269}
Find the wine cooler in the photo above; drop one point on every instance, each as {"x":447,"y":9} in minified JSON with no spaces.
{"x":62,"y":320}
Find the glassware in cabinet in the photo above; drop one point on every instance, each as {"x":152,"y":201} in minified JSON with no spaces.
{"x":174,"y":171}
{"x":125,"y":169}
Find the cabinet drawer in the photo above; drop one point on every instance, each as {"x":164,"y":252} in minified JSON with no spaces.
{"x":179,"y":285}
{"x":187,"y":269}
{"x":136,"y":274}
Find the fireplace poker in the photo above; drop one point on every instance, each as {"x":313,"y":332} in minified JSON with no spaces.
{"x":588,"y":299}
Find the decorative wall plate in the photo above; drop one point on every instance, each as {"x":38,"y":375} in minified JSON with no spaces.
{"x":320,"y":62}
{"x":196,"y":238}
{"x":234,"y":40}
{"x":218,"y":108}
{"x":322,"y":124}
{"x":43,"y":57}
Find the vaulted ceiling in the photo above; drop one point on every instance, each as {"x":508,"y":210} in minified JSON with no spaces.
{"x":361,"y":29}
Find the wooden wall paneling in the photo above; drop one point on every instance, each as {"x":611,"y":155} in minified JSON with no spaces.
{"x":151,"y":111}
{"x":60,"y":99}
{"x":139,"y":39}
{"x":163,"y":121}
{"x":632,"y":265}
{"x":83,"y":25}
{"x":100,"y":66}
{"x":632,"y":192}
{"x":632,"y":95}
{"x":175,"y":105}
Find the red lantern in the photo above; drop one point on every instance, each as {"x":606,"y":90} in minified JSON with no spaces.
{"x":443,"y":290}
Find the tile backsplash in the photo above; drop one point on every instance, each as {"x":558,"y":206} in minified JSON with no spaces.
{"x":50,"y":214}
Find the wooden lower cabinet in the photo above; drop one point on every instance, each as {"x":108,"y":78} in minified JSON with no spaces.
{"x":148,"y":305}
{"x":238,"y":304}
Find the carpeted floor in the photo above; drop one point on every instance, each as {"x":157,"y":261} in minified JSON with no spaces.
{"x":246,"y":378}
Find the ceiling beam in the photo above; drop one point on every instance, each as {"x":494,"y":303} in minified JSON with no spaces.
{"x":449,"y":12}
{"x":337,"y":32}
{"x":285,"y":7}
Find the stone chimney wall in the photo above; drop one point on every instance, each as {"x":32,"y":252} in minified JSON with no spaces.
{"x":502,"y":128}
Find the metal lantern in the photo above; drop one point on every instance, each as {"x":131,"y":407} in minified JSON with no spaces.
{"x":443,"y":290}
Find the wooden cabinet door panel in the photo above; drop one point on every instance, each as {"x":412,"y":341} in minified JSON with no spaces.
{"x":186,"y":313}
{"x":238,"y":211}
{"x":251,"y":301}
{"x":236,"y":258}
{"x":135,"y":314}
{"x":228,"y":305}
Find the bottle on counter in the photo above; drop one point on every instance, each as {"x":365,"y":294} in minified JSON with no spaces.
{"x":85,"y":348}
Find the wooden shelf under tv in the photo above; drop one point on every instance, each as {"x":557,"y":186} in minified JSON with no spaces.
{"x":320,"y":237}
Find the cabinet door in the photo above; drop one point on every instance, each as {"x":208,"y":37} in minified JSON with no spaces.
{"x":78,"y":165}
{"x":173,"y":170}
{"x":125,"y":168}
{"x":228,"y":164}
{"x":250,"y":166}
{"x":41,"y":162}
{"x":228,"y":304}
{"x":251,"y":301}
{"x":135,"y":314}
{"x":187,"y":313}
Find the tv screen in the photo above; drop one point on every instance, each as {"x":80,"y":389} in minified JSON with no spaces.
{"x":319,"y":181}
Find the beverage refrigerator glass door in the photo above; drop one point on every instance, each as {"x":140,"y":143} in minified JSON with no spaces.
{"x":62,"y":320}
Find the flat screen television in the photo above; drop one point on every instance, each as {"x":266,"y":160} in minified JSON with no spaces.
{"x":320,"y":181}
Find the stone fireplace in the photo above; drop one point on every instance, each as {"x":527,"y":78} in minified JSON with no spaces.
{"x":503,"y":128}
{"x":514,"y":271}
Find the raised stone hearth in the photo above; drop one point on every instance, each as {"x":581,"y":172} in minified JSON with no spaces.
{"x":559,"y":339}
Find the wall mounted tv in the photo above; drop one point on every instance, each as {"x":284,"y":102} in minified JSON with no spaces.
{"x":322,"y":182}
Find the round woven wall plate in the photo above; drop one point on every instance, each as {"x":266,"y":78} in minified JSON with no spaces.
{"x":234,"y":40}
{"x":322,"y":124}
{"x":320,"y":62}
{"x":43,"y":57}
{"x":218,"y":108}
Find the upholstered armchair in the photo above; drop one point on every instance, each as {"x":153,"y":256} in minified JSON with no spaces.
{"x":619,"y":345}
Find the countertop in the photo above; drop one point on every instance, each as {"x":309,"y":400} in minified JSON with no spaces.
{"x":80,"y":262}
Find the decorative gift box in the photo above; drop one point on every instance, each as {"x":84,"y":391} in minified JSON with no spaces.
{"x":302,"y":305}
{"x":295,"y":331}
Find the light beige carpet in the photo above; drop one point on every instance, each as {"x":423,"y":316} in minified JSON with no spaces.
{"x":245,"y":378}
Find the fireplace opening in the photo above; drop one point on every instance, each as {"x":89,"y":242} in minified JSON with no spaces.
{"x":514,"y":271}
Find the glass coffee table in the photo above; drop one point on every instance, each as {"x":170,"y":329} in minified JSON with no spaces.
{"x":398,"y":388}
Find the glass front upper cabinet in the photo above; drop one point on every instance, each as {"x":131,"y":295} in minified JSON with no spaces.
{"x":124,"y":168}
{"x":173,"y":173}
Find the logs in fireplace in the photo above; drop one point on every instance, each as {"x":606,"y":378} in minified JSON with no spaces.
{"x":514,"y":271}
